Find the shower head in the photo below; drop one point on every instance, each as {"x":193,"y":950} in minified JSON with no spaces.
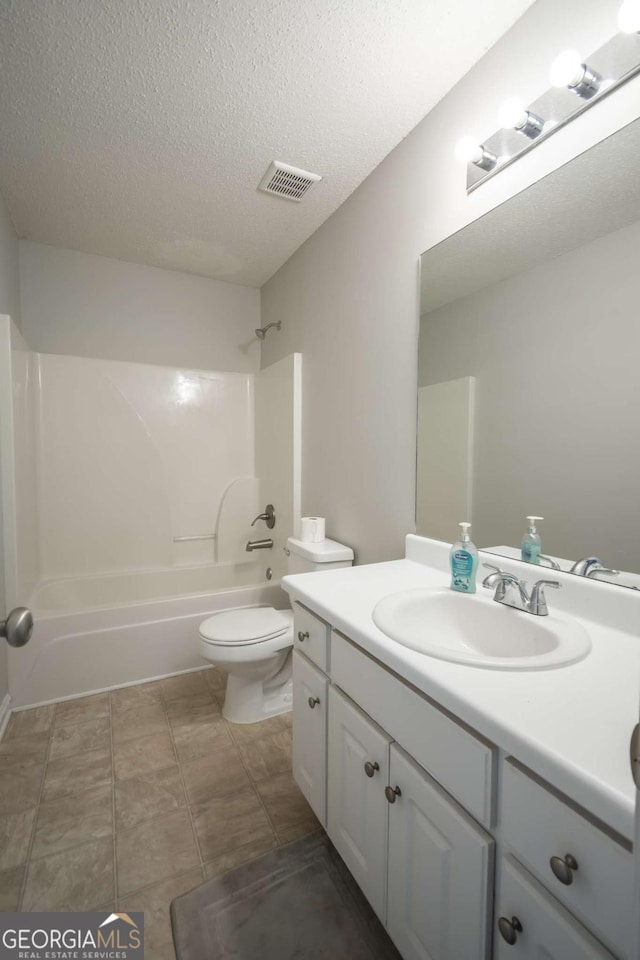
{"x":261,"y":332}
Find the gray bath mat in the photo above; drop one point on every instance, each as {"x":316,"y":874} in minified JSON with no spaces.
{"x":298,"y":902}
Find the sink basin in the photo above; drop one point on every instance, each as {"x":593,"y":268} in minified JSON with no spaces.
{"x":479,"y":632}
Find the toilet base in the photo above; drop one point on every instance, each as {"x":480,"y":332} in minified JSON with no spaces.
{"x":249,"y":700}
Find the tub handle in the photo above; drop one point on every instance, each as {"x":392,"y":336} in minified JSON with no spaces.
{"x":18,"y":627}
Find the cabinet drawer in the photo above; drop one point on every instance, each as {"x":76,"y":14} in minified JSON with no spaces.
{"x":538,"y":825}
{"x":310,"y":689}
{"x":311,"y":635}
{"x":461,"y":762}
{"x":547,"y":929}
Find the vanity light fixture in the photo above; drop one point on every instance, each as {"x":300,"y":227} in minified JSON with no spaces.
{"x":468,"y":150}
{"x":568,"y":70}
{"x":523,"y":126}
{"x":629,"y":17}
{"x":513,"y":115}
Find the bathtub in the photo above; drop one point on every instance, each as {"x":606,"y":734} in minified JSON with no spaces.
{"x":99,"y":632}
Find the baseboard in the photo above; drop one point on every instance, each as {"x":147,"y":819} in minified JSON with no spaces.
{"x":5,"y":713}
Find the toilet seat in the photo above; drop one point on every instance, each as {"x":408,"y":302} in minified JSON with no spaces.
{"x":246,"y":626}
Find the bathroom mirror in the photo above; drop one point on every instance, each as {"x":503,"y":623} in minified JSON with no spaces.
{"x":529,"y":382}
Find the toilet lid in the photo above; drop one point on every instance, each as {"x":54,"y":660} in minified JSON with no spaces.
{"x":246,"y":625}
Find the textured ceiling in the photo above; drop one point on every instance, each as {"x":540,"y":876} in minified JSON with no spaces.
{"x":140,"y":129}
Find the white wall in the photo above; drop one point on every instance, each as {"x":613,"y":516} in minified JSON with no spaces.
{"x":348,"y":299}
{"x":84,"y":305}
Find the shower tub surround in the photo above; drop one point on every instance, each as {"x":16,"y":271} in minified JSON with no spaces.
{"x":128,"y":494}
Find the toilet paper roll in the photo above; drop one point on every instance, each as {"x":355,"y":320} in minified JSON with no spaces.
{"x":312,"y":529}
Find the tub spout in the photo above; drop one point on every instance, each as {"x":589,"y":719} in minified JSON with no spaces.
{"x":259,"y":545}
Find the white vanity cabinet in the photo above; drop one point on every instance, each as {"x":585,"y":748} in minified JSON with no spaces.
{"x":440,"y":871}
{"x":357,"y":808}
{"x":309,"y":762}
{"x":586,"y":868}
{"x":423,"y":863}
{"x":532,"y":924}
{"x":417,"y":803}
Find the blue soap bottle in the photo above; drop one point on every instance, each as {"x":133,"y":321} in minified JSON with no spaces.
{"x":531,"y":545}
{"x":463,"y":558}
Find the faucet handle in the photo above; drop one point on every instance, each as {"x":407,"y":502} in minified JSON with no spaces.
{"x":269,"y":517}
{"x":490,"y":581}
{"x":538,"y":601}
{"x":594,"y":570}
{"x":552,"y":563}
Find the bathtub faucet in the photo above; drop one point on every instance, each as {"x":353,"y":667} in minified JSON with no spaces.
{"x":259,"y":545}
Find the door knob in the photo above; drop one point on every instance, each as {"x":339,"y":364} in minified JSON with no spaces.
{"x":634,"y":755}
{"x":509,"y":929}
{"x":563,"y":868}
{"x":18,"y":627}
{"x":391,"y":793}
{"x":303,"y":636}
{"x":370,"y":768}
{"x":312,"y":701}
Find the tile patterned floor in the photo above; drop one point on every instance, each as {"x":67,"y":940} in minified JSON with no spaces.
{"x":127,"y":799}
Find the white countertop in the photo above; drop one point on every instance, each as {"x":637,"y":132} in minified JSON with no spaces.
{"x":570,"y":725}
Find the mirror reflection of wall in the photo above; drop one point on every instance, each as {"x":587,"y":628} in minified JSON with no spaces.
{"x":554,"y":350}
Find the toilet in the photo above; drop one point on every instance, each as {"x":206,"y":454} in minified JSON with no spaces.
{"x":254,"y":645}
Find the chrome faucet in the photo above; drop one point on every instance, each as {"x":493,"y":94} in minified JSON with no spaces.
{"x":552,"y":563}
{"x":590,"y":567}
{"x":536,"y":604}
{"x":581,"y":567}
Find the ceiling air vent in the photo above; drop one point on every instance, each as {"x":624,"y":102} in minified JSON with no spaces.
{"x":288,"y":182}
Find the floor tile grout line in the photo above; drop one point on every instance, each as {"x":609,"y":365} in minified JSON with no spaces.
{"x":113,"y":807}
{"x":184,"y":786}
{"x":253,"y":784}
{"x":155,"y":883}
{"x":32,"y":838}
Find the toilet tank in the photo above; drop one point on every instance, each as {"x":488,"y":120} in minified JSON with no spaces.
{"x":325,"y":555}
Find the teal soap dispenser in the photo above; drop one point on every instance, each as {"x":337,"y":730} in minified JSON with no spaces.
{"x":531,"y":545}
{"x":463,"y":558}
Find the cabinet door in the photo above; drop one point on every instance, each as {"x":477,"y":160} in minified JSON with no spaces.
{"x":440,"y":870}
{"x":546,"y":928}
{"x":310,"y":734}
{"x":357,"y":811}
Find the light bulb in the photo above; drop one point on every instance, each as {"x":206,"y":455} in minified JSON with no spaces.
{"x":468,"y":150}
{"x":512,"y":114}
{"x":629,"y":17}
{"x":567,"y":70}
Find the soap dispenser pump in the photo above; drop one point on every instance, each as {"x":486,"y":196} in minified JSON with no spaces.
{"x":463,"y":558}
{"x":531,"y":545}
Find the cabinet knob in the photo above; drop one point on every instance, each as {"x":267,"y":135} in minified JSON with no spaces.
{"x":312,"y":701}
{"x":563,"y":868}
{"x":370,"y":768}
{"x":509,"y":929}
{"x":391,"y":793}
{"x":303,"y":636}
